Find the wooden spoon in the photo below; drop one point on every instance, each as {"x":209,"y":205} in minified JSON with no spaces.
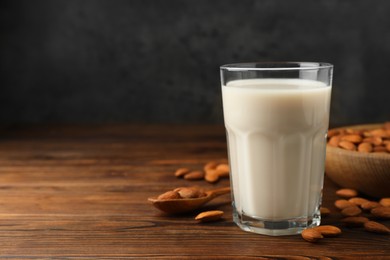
{"x":175,"y":206}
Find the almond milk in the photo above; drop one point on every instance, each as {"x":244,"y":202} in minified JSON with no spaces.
{"x":276,"y":131}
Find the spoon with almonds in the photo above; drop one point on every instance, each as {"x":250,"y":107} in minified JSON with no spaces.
{"x":185,"y":199}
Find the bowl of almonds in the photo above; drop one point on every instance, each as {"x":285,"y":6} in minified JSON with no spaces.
{"x":359,"y":157}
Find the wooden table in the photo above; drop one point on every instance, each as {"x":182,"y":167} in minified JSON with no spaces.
{"x":81,"y":192}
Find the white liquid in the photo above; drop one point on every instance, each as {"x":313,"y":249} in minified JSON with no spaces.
{"x":276,"y":132}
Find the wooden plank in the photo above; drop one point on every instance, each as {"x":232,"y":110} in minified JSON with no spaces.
{"x":80,"y":192}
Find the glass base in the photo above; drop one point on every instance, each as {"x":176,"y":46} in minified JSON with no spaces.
{"x":275,"y":228}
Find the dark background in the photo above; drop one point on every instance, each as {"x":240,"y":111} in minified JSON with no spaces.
{"x":155,"y":61}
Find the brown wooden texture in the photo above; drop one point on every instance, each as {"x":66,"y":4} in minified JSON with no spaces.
{"x":81,"y":192}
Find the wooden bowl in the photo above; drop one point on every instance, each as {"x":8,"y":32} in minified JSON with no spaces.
{"x":367,"y":172}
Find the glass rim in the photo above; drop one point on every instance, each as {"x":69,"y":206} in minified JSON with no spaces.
{"x":279,"y":65}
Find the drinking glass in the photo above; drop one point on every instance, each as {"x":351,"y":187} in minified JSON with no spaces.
{"x":276,"y":117}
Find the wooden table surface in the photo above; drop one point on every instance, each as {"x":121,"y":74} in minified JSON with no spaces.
{"x":81,"y":192}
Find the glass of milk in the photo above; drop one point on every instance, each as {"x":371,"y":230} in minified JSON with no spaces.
{"x":276,"y":117}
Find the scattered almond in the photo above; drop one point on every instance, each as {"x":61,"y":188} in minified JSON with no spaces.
{"x":324,"y":211}
{"x":381,"y":212}
{"x":354,"y":221}
{"x":209,"y":216}
{"x":328,"y":230}
{"x":311,"y":235}
{"x":223,"y":170}
{"x":342,"y":204}
{"x":385,"y":202}
{"x":376,"y":227}
{"x":169,"y":195}
{"x":347,"y":145}
{"x":194,"y":175}
{"x":347,"y":193}
{"x":210,"y":165}
{"x":211,"y":176}
{"x":351,"y":211}
{"x":358,"y":201}
{"x":181,"y":172}
{"x":369,"y":205}
{"x":388,"y":147}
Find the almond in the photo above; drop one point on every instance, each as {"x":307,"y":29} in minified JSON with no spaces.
{"x":347,"y":193}
{"x":376,"y":227}
{"x":211,"y":176}
{"x":194,"y":175}
{"x":223,"y":170}
{"x":351,"y":131}
{"x":381,"y":212}
{"x":342,"y":204}
{"x":375,"y":140}
{"x":351,"y":211}
{"x":181,"y":172}
{"x":311,"y":235}
{"x":385,"y":202}
{"x":208,"y":216}
{"x":379,"y":132}
{"x":358,"y":201}
{"x":386,"y":125}
{"x":369,"y":205}
{"x":353,"y":138}
{"x":354,"y":221}
{"x":169,"y":195}
{"x":328,"y":230}
{"x":333,"y":132}
{"x":210,"y":165}
{"x":334,"y":141}
{"x":347,"y":145}
{"x":324,"y":211}
{"x":190,"y":192}
{"x":365,"y":147}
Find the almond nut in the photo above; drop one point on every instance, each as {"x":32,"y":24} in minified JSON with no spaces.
{"x":354,"y":221}
{"x":381,"y":212}
{"x":210,"y":165}
{"x":334,"y":141}
{"x":365,"y":147}
{"x":342,"y":204}
{"x":347,"y":145}
{"x":181,"y":172}
{"x":358,"y":201}
{"x":353,"y":138}
{"x":369,"y":205}
{"x":375,"y":140}
{"x":333,"y":132}
{"x":376,"y":227}
{"x":347,"y":193}
{"x":385,"y":202}
{"x":208,"y":216}
{"x":351,"y":211}
{"x":328,"y":230}
{"x":190,"y":192}
{"x":211,"y":176}
{"x":311,"y":235}
{"x":223,"y":170}
{"x":194,"y":175}
{"x":169,"y":195}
